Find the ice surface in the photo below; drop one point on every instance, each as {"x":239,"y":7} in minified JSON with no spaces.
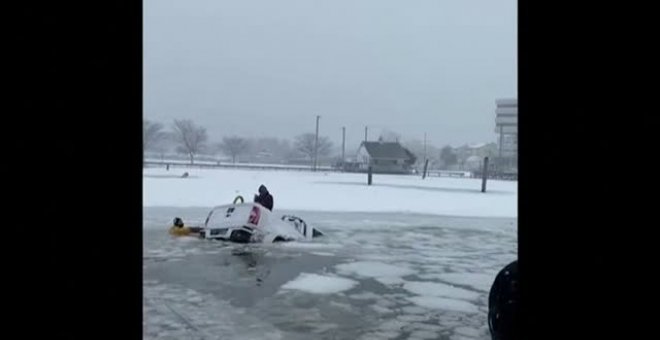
{"x":423,"y":335}
{"x":477,"y":281}
{"x":344,"y":306}
{"x":428,"y":327}
{"x":444,"y":304}
{"x":436,"y":273}
{"x":386,"y":303}
{"x":460,"y":337}
{"x":392,"y":325}
{"x":390,"y":280}
{"x":294,"y":190}
{"x":172,"y":312}
{"x":413,"y":310}
{"x":310,"y":245}
{"x":465,"y":331}
{"x":381,"y":335}
{"x":365,"y":296}
{"x":374,"y":269}
{"x":411,"y":318}
{"x":322,"y":253}
{"x":439,"y":289}
{"x":380,"y":309}
{"x":320,"y":284}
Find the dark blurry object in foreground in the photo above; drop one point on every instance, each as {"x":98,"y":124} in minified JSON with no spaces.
{"x":503,"y":304}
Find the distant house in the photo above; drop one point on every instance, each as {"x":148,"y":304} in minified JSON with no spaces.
{"x":473,"y":163}
{"x":471,"y":155}
{"x":348,"y":164}
{"x":385,"y":157}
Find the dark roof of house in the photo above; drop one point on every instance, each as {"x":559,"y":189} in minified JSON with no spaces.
{"x":390,"y":150}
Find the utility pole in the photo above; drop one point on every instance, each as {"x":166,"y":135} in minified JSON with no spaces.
{"x":343,"y":145}
{"x":316,"y":143}
{"x":365,"y":134}
{"x":424,"y":145}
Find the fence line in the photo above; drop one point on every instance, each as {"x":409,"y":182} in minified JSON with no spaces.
{"x":217,"y":165}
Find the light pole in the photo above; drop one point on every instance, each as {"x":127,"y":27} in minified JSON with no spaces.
{"x":316,"y":143}
{"x":424,"y":146}
{"x":343,"y":145}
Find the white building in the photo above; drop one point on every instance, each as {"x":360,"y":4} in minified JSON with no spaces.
{"x":506,"y":126}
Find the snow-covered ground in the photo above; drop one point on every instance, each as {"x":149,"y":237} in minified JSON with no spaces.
{"x":320,"y":191}
{"x":404,"y":259}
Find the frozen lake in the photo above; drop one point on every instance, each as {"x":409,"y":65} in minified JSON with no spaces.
{"x":374,"y":276}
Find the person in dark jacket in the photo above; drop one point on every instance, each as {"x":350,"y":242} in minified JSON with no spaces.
{"x":503,"y":304}
{"x":264,"y":198}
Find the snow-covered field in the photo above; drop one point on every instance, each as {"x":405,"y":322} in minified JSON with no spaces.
{"x":320,"y":191}
{"x":403,"y":259}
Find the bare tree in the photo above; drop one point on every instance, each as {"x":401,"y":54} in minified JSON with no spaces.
{"x":305,"y":144}
{"x":448,"y":156}
{"x":191,"y":138}
{"x":389,"y":136}
{"x":416,"y":146}
{"x":268,"y":149}
{"x":152,"y":134}
{"x":234,"y":146}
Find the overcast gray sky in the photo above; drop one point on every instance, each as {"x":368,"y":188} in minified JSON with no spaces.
{"x":268,"y":67}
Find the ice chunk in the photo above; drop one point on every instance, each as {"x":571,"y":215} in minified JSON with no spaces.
{"x":381,"y":309}
{"x":465,"y":331}
{"x":432,"y":302}
{"x":427,"y":327}
{"x":374,"y":269}
{"x":320,"y":284}
{"x":478,"y":281}
{"x":412,"y":318}
{"x":392,"y":325}
{"x":365,"y":296}
{"x":460,"y":337}
{"x":309,"y":245}
{"x":390,"y":280}
{"x":423,"y":335}
{"x":322,"y":253}
{"x":439,"y":289}
{"x":413,"y":310}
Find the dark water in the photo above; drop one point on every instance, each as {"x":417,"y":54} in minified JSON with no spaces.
{"x":410,"y":277}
